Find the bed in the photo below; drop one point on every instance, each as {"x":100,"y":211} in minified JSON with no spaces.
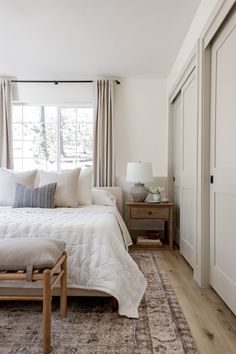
{"x":97,"y":243}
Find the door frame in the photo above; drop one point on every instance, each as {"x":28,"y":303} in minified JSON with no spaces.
{"x":201,"y":58}
{"x":177,"y":99}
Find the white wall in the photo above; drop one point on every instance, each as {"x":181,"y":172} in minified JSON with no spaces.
{"x":141,"y":124}
{"x":203,"y":13}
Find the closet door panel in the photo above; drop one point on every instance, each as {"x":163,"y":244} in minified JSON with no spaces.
{"x":223,"y":164}
{"x":177,"y":164}
{"x":189,"y":169}
{"x":225,"y":261}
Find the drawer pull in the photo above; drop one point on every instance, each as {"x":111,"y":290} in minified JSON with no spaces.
{"x":149,"y":212}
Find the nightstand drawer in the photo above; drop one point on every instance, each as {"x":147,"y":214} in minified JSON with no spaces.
{"x":149,"y":213}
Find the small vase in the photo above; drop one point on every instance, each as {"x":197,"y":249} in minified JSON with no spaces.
{"x":156,"y":197}
{"x":153,"y":198}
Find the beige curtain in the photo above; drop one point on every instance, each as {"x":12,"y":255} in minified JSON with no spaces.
{"x":6,"y":145}
{"x":103,"y":152}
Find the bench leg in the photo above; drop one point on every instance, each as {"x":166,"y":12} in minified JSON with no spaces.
{"x":114,"y":304}
{"x":63,"y":298}
{"x":47,"y":304}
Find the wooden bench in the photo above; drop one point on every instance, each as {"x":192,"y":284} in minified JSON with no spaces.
{"x":50,"y":276}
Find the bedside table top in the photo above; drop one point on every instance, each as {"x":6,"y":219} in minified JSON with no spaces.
{"x":146,"y":204}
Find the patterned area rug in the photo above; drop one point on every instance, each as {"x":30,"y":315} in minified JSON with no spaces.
{"x":92,"y":326}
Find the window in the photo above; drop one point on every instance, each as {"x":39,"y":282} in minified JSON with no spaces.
{"x":51,"y":138}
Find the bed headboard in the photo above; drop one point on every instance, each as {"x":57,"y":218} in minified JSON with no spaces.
{"x":117,"y":192}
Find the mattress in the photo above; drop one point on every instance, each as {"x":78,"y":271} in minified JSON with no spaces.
{"x":97,"y":243}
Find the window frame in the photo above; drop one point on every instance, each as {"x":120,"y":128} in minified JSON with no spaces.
{"x":59,"y":106}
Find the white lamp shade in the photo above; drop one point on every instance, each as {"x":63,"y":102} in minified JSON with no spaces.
{"x":139,"y":172}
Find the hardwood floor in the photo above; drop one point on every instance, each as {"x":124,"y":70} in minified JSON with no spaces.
{"x":212,"y":324}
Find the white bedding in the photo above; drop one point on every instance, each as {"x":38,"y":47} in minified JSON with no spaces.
{"x":97,"y":242}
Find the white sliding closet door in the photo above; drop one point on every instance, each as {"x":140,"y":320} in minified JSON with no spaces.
{"x":177,"y":164}
{"x":223,"y":164}
{"x":189,"y":170}
{"x":185,"y":167}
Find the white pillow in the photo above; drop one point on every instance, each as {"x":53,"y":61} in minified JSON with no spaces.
{"x":8,"y":180}
{"x":101,"y":197}
{"x":85,"y":186}
{"x":67,"y":186}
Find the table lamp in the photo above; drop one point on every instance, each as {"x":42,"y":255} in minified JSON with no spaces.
{"x":139,"y":173}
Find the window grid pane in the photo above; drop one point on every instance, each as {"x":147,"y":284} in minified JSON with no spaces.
{"x":52,"y":137}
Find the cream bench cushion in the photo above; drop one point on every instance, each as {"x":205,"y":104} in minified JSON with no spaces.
{"x":21,"y":253}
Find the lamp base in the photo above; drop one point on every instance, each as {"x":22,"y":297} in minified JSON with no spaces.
{"x":139,"y":192}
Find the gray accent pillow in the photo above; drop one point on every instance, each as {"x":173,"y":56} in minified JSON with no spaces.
{"x":41,"y":197}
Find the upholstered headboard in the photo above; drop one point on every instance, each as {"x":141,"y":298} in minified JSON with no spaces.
{"x":117,"y":192}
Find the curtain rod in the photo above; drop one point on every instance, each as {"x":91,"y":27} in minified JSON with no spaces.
{"x":56,"y":82}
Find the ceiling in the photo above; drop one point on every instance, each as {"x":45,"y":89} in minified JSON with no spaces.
{"x":75,"y":39}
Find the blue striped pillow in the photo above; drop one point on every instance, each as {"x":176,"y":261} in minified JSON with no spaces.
{"x":41,"y":197}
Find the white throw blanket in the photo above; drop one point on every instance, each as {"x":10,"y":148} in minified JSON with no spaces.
{"x":97,"y":241}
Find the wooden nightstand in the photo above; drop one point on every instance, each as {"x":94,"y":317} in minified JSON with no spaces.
{"x":161,"y":211}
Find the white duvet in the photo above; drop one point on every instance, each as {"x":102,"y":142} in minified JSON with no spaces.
{"x":97,"y":242}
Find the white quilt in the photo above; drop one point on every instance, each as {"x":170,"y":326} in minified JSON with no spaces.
{"x":97,"y":241}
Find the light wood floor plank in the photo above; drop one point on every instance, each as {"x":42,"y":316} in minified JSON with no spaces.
{"x":212,"y":324}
